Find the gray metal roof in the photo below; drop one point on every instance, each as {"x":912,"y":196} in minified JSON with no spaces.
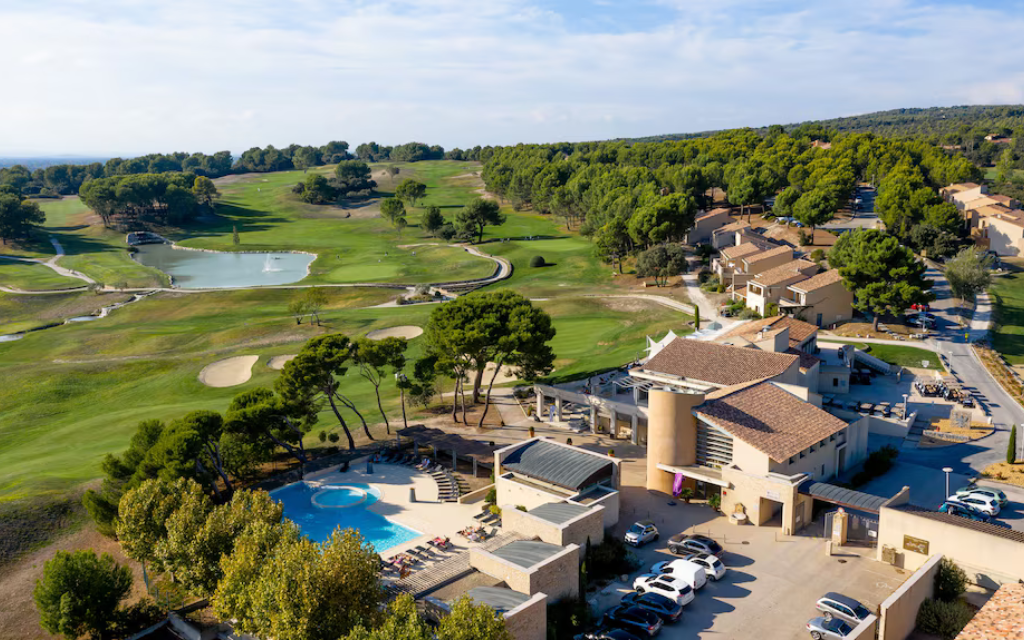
{"x":843,"y":497}
{"x":527,"y":553}
{"x":497,"y":598}
{"x":558,"y":512}
{"x":562,"y":466}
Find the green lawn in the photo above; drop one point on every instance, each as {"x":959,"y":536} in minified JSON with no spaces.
{"x":898,"y":354}
{"x":74,"y":393}
{"x":1008,"y":295}
{"x":33,"y":276}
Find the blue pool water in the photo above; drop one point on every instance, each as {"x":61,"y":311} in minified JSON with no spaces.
{"x":318,"y":510}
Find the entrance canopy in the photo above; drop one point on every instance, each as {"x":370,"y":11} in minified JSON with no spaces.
{"x":848,"y":498}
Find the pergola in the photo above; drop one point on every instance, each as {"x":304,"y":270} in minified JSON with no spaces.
{"x":480,"y":454}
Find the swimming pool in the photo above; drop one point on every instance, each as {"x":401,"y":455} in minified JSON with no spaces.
{"x":319,"y":508}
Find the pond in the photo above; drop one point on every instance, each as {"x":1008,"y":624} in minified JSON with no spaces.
{"x":216,"y":270}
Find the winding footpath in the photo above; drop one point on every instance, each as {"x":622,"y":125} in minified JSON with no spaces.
{"x":52,"y":264}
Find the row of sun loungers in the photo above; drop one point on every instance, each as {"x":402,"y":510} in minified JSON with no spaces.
{"x":447,"y":485}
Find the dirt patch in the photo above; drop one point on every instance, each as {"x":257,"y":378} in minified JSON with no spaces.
{"x":408,"y":331}
{"x":863,"y":330}
{"x":1005,"y":472}
{"x":629,"y":305}
{"x":278,"y":362}
{"x":228,"y":372}
{"x":504,"y":376}
{"x":485,"y":194}
{"x":461,"y":176}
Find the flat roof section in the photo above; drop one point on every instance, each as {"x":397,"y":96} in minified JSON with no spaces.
{"x":558,"y":512}
{"x":527,"y":553}
{"x":498,"y":598}
{"x":561,"y":466}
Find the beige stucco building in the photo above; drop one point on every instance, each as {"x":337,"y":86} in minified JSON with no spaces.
{"x":821,"y":300}
{"x":706,"y":223}
{"x":769,"y":286}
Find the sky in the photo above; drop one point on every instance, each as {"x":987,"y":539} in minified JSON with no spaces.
{"x":126,"y":77}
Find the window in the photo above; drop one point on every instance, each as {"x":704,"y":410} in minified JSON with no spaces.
{"x":792,"y":460}
{"x":822,"y":471}
{"x":835,"y":382}
{"x":832,"y":438}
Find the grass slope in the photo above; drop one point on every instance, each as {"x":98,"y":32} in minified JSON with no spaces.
{"x":898,"y":354}
{"x":34,"y":276}
{"x":1008,"y":337}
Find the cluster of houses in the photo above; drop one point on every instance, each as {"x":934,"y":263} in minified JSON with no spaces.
{"x":767,"y":275}
{"x":996,"y":222}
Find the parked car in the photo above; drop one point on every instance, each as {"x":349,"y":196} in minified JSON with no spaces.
{"x":671,"y":587}
{"x":998,"y":495}
{"x":634,"y":619}
{"x":641,"y":533}
{"x":683,"y":544}
{"x":964,"y":511}
{"x":822,"y":629}
{"x":713,"y":567}
{"x":610,"y":634}
{"x":985,"y":504}
{"x":666,"y":608}
{"x":691,"y":572}
{"x":836,"y":605}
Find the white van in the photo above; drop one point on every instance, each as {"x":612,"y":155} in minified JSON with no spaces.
{"x":691,"y":573}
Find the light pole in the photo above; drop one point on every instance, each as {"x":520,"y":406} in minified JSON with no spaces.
{"x":947,"y":471}
{"x":906,"y":407}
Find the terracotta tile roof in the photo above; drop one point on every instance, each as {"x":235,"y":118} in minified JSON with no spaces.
{"x":993,"y":210}
{"x":713,"y":212}
{"x":783,"y":272}
{"x":798,"y":329}
{"x":1002,"y":617}
{"x":962,"y":186}
{"x":807,"y":360}
{"x":1011,"y":218}
{"x":980,"y":201}
{"x":768,"y":253}
{"x":718,"y":364}
{"x":1004,"y":200}
{"x":823,"y":279}
{"x":770,"y":419}
{"x":741,"y":292}
{"x":739,"y":251}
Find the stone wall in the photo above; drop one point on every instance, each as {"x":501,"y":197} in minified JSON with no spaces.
{"x":529,"y":620}
{"x":558,"y":576}
{"x":576,"y":531}
{"x":899,"y":611}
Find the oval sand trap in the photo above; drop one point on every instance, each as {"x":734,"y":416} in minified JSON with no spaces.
{"x":408,"y":331}
{"x":228,"y":372}
{"x":278,"y":362}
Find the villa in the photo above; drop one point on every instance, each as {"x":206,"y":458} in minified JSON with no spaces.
{"x":996,"y":221}
{"x":706,"y":223}
{"x":736,"y":265}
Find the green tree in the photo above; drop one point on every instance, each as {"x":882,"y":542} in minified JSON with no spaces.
{"x":968,"y":274}
{"x":401,"y":622}
{"x":500,"y":328}
{"x":950,"y":581}
{"x":1011,"y":446}
{"x":234,"y":236}
{"x":391,"y":209}
{"x":785,"y":201}
{"x":613,"y":241}
{"x":661,"y":262}
{"x":816,"y":207}
{"x":411,"y":191}
{"x":432,"y":220}
{"x":664,"y":219}
{"x":265,"y":419}
{"x":278,"y":585}
{"x":299,"y":308}
{"x":18,"y":217}
{"x":696,"y":318}
{"x":315,"y":299}
{"x":476,"y":216}
{"x":1006,"y":166}
{"x":317,"y":189}
{"x":205,"y":191}
{"x":471,"y":621}
{"x":312,"y":375}
{"x":883,"y":275}
{"x":143,"y":513}
{"x":79,"y":594}
{"x":373,"y":358}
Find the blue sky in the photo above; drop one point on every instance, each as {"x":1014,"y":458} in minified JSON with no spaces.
{"x":137,"y":76}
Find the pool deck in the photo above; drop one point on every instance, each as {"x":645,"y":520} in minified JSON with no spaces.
{"x":427,"y":515}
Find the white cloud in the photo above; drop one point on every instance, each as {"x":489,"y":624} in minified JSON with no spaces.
{"x":133,"y":77}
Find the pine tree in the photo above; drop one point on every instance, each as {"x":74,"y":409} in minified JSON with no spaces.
{"x":1011,"y":447}
{"x":696,"y":318}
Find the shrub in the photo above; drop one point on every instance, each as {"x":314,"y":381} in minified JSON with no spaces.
{"x":944,"y":619}
{"x":818,"y":255}
{"x":521,"y":507}
{"x":610,"y":559}
{"x":611,"y":452}
{"x":568,"y":441}
{"x":704,"y":276}
{"x":748,"y":314}
{"x":803,"y":238}
{"x":1011,"y":447}
{"x":715,"y":502}
{"x":495,"y":509}
{"x":950,"y":581}
{"x":491,"y":497}
{"x":537,"y":261}
{"x":568,"y":617}
{"x":333,"y":437}
{"x":323,"y":436}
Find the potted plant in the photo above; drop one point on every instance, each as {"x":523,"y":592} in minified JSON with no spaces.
{"x":568,"y":441}
{"x":715,"y":502}
{"x":686,"y":494}
{"x":611,"y":453}
{"x":530,"y":431}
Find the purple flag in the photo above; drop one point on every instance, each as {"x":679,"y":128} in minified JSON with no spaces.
{"x":677,"y":484}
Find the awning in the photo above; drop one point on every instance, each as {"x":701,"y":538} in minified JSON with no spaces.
{"x":843,"y":497}
{"x":704,"y":474}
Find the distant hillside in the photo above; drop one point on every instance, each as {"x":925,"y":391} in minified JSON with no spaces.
{"x":944,"y":125}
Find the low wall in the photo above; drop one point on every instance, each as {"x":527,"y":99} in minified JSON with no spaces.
{"x":899,"y":611}
{"x":558,"y":576}
{"x":517,"y":493}
{"x":586,"y":526}
{"x":866,"y":630}
{"x":610,"y":502}
{"x":475,"y":496}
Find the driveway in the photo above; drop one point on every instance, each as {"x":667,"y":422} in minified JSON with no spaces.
{"x":771,"y":583}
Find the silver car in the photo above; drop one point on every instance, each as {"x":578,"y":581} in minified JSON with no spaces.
{"x":641,"y":533}
{"x":836,"y":605}
{"x":834,"y":629}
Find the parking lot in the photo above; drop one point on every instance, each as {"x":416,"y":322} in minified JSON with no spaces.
{"x":771,"y":583}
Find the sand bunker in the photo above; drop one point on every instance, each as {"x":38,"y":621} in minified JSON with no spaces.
{"x":505,"y":375}
{"x":408,"y":331}
{"x":278,"y":362}
{"x":228,"y":372}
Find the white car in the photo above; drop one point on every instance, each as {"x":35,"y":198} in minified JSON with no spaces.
{"x":673,"y":588}
{"x":985,"y":504}
{"x":713,"y":567}
{"x":691,"y":573}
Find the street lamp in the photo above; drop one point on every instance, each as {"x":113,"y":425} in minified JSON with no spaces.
{"x":947,"y":471}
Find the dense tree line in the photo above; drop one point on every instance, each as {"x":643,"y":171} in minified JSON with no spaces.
{"x":629,"y":197}
{"x":18,"y":216}
{"x":163,"y":198}
{"x":409,"y":152}
{"x":351,"y":180}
